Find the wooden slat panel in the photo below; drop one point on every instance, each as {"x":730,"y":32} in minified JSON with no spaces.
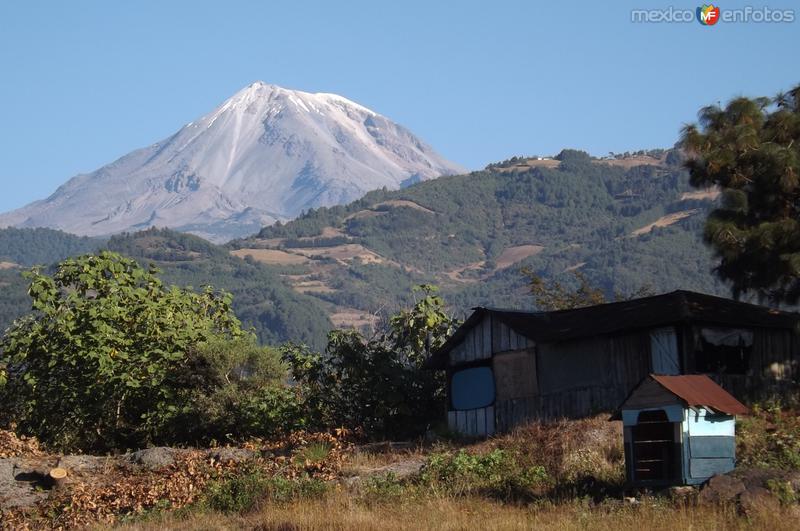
{"x":481,"y":427}
{"x":472,"y":422}
{"x":490,"y":420}
{"x":452,"y":424}
{"x":705,"y":468}
{"x":477,"y":333}
{"x":487,"y":338}
{"x":711,"y":446}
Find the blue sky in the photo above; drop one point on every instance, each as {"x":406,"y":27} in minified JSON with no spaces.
{"x":86,"y":82}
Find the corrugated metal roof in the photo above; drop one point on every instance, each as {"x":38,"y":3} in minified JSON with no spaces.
{"x":698,"y":390}
{"x":668,"y":308}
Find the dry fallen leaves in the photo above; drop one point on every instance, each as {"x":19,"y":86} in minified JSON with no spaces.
{"x":125,"y":489}
{"x":12,"y":445}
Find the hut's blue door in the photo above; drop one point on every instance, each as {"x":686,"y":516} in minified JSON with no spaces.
{"x":664,"y":351}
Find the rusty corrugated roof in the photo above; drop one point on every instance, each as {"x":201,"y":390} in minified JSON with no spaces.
{"x":698,"y":390}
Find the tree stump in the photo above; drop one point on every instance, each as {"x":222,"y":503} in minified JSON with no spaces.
{"x":57,"y":477}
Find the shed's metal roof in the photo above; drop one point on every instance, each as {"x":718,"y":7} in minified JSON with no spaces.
{"x":668,"y":308}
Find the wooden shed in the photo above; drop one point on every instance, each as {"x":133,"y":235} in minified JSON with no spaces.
{"x":506,"y":367}
{"x":678,"y":430}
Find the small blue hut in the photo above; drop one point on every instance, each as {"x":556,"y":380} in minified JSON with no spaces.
{"x":679,"y":430}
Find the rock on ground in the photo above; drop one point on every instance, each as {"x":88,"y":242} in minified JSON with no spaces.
{"x":154,"y":458}
{"x":721,"y":489}
{"x":20,"y":482}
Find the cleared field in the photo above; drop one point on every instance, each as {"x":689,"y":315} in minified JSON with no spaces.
{"x":404,"y":203}
{"x":456,"y":275}
{"x":352,"y":318}
{"x":8,"y":265}
{"x":327,"y":232}
{"x":575,"y":267}
{"x":512,"y":255}
{"x":364,"y":214}
{"x":630,"y":162}
{"x":710,"y":193}
{"x":665,"y":221}
{"x":342,"y":253}
{"x":312,"y":286}
{"x":271,"y":256}
{"x":531,"y":163}
{"x":265,"y":243}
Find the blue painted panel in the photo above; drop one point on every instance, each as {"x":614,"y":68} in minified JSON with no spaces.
{"x":472,"y":388}
{"x":712,"y":446}
{"x":705,"y":468}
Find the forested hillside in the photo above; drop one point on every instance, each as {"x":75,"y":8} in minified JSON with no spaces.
{"x":262,"y":300}
{"x":22,"y":248}
{"x":626,"y":224}
{"x":27,"y":247}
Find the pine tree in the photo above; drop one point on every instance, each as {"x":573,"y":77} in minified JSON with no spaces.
{"x":750,"y":149}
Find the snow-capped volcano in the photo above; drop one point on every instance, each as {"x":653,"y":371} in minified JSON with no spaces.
{"x":265,"y":154}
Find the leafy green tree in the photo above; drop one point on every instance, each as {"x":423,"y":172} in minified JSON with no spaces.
{"x":232,"y":389}
{"x":377,"y":386}
{"x":751,"y":150}
{"x":101,"y":361}
{"x":553,"y":295}
{"x":423,"y":328}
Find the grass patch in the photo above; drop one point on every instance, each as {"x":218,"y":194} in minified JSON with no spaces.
{"x":313,"y":453}
{"x":497,"y":474}
{"x":340,"y":511}
{"x":244,"y":491}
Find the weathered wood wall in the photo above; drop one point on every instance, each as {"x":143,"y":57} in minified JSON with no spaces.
{"x":515,"y":374}
{"x":477,"y":344}
{"x":774,"y":366}
{"x":505,"y":339}
{"x":576,"y":378}
{"x":488,"y":337}
{"x":472,"y":422}
{"x":580,"y":378}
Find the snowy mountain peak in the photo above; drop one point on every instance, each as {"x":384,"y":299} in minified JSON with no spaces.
{"x":264,"y":154}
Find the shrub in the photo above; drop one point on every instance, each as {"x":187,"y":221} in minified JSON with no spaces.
{"x":384,"y":488}
{"x":239,"y":393}
{"x":100,"y":362}
{"x":496,"y":474}
{"x":784,"y":491}
{"x":245,"y":490}
{"x":377,"y":386}
{"x":770,"y":437}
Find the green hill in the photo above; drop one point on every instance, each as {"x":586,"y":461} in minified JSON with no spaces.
{"x":22,"y":248}
{"x":624,"y":223}
{"x":27,"y":247}
{"x":262,"y":300}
